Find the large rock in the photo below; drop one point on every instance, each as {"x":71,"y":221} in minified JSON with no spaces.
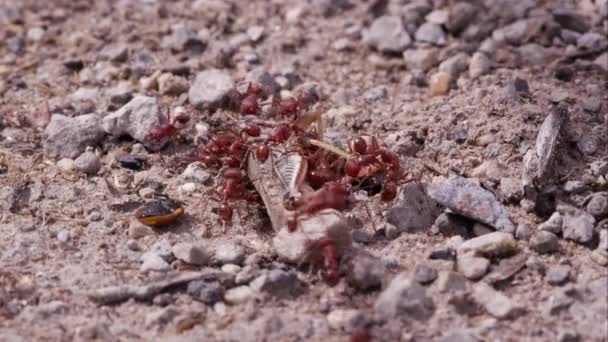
{"x":415,"y":211}
{"x":387,"y":34}
{"x":210,"y":88}
{"x":67,"y":137}
{"x":404,"y":298}
{"x":365,"y":272}
{"x":466,"y":198}
{"x":136,"y":119}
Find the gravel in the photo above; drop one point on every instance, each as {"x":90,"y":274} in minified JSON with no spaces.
{"x":472,"y":267}
{"x":88,"y":163}
{"x":557,"y":275}
{"x":387,"y":34}
{"x":414,"y":212}
{"x":404,"y":299}
{"x":206,"y":292}
{"x":544,"y":242}
{"x":578,"y":224}
{"x":190,"y":253}
{"x":495,"y":244}
{"x":494,"y":302}
{"x":136,"y":119}
{"x":67,"y":137}
{"x":210,"y":89}
{"x":228,"y":252}
{"x":424,"y":274}
{"x":466,"y":198}
{"x":366,"y":272}
{"x":553,"y":224}
{"x":431,"y":33}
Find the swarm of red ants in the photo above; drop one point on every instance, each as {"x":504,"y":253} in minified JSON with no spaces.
{"x":289,"y":125}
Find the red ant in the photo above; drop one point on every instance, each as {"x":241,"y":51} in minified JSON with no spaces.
{"x":289,"y":106}
{"x":249,"y":104}
{"x":333,"y":195}
{"x":233,"y":189}
{"x":371,"y":159}
{"x":168,"y":129}
{"x":325,"y":257}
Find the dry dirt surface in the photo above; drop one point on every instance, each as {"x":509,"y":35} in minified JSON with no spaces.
{"x":498,"y":109}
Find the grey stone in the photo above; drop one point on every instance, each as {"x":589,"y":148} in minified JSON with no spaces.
{"x":544,"y":242}
{"x":68,"y":137}
{"x":460,"y":15}
{"x":239,"y":294}
{"x":553,"y":224}
{"x":460,"y":336}
{"x":197,"y":172}
{"x":496,"y":244}
{"x":153,"y":262}
{"x":424,"y":274}
{"x":431,"y":33}
{"x":345,"y":319}
{"x":51,"y":308}
{"x":494,"y":302}
{"x":597,"y":205}
{"x":599,"y":168}
{"x":376,"y":93}
{"x":468,"y":199}
{"x":517,"y":32}
{"x":451,"y":282}
{"x":578,"y":225}
{"x":569,"y":37}
{"x":172,"y":85}
{"x":459,"y":134}
{"x":210,"y":89}
{"x":387,"y":34}
{"x":190,"y":253}
{"x":587,"y":144}
{"x":570,"y":20}
{"x":278,"y":283}
{"x":415,"y":211}
{"x":602,"y":61}
{"x":136,"y":119}
{"x":255,"y":32}
{"x":365,"y":272}
{"x":472,"y":267}
{"x":228,"y":252}
{"x":120,"y":94}
{"x":160,"y":317}
{"x":88,"y":162}
{"x":557,"y":275}
{"x":480,"y":64}
{"x":592,"y":41}
{"x":404,"y":299}
{"x":574,"y":187}
{"x":36,"y":34}
{"x":421,"y":59}
{"x":524,"y":231}
{"x":246,"y":275}
{"x":205,"y":291}
{"x":116,"y":54}
{"x":262,"y":77}
{"x":63,"y":236}
{"x":183,"y":39}
{"x":455,"y":65}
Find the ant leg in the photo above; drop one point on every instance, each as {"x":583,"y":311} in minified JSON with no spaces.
{"x":371,"y":217}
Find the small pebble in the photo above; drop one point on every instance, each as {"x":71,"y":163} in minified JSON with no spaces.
{"x":440,"y":83}
{"x":557,"y":275}
{"x":424,"y":274}
{"x":544,"y":242}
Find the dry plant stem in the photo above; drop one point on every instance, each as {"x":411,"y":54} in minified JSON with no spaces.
{"x":330,"y":148}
